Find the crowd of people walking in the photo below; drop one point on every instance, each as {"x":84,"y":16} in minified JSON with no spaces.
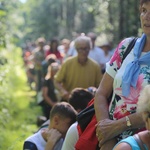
{"x":78,"y":71}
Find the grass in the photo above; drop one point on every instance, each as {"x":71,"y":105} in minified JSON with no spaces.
{"x":18,"y":110}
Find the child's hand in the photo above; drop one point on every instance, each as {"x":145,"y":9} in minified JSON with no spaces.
{"x":53,"y":136}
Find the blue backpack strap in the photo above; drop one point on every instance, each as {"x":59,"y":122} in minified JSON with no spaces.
{"x":29,"y":146}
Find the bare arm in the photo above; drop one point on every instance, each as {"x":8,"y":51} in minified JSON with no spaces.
{"x":103,"y":92}
{"x":108,"y":129}
{"x":101,"y":108}
{"x":64,"y":93}
{"x":123,"y":146}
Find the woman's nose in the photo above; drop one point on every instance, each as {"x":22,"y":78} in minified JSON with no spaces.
{"x":147,"y":16}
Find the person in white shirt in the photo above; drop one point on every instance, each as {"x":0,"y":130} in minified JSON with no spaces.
{"x":62,"y":115}
{"x":79,"y":99}
{"x":96,"y":53}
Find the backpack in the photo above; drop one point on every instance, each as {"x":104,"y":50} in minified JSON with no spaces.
{"x":86,"y":119}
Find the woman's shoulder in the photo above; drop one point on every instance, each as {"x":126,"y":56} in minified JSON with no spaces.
{"x":128,"y":143}
{"x":120,"y":50}
{"x":124,"y":43}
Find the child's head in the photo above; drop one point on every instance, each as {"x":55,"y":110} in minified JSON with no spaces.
{"x":51,"y":58}
{"x":143,"y":105}
{"x":62,"y":115}
{"x":52,"y":70}
{"x":79,"y":98}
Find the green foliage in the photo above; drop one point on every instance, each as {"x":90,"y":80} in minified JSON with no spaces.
{"x":62,"y":18}
{"x":18,"y":109}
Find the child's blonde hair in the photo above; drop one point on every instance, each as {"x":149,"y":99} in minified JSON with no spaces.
{"x":143,"y":104}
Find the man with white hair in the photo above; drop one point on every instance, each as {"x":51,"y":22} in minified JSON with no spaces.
{"x":78,"y":71}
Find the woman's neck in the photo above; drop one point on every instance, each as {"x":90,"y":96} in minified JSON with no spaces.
{"x":147,"y":45}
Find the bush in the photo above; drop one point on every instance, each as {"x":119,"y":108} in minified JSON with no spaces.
{"x":18,"y":108}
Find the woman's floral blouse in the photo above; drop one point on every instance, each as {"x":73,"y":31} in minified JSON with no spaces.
{"x":121,"y":106}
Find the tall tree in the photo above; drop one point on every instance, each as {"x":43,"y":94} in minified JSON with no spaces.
{"x":114,"y":18}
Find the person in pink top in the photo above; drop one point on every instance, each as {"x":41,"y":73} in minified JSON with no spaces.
{"x":54,"y":50}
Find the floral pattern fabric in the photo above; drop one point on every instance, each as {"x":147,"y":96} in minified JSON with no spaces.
{"x":121,"y":106}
